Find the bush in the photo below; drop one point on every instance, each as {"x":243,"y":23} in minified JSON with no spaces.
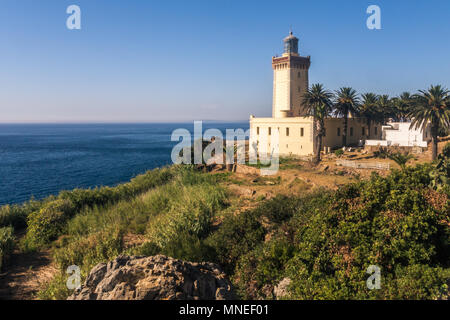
{"x":326,"y":245}
{"x":382,"y":153}
{"x":48,"y":223}
{"x":190,"y":212}
{"x":339,"y":152}
{"x":262,"y":269}
{"x":16,"y":215}
{"x":6,"y":245}
{"x":86,"y":252}
{"x":239,"y":234}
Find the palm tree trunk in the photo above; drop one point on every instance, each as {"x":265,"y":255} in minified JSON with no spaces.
{"x":344,"y":132}
{"x":434,"y":141}
{"x":319,"y":128}
{"x":319,"y":148}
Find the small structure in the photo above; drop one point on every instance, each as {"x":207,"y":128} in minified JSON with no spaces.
{"x":401,"y":135}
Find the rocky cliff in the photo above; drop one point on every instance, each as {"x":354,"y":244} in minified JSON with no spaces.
{"x":154,"y":278}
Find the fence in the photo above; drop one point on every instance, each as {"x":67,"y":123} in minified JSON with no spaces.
{"x":363,"y":165}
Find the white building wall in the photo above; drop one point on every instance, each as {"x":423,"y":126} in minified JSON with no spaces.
{"x":400,"y":134}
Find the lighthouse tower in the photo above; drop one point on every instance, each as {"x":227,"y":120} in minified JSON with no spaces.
{"x":290,"y":80}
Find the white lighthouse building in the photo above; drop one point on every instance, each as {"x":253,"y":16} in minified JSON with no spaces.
{"x":295,"y":129}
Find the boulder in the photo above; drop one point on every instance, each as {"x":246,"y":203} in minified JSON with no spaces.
{"x":154,"y":278}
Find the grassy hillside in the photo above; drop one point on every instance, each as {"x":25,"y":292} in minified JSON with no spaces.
{"x":322,"y":240}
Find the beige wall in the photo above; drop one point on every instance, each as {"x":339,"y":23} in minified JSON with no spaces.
{"x":295,"y":144}
{"x":292,"y":144}
{"x":332,"y":139}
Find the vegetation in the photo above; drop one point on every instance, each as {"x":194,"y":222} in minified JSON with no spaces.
{"x":401,"y":158}
{"x":431,"y":106}
{"x":171,"y":219}
{"x":325,"y":244}
{"x":347,"y":103}
{"x":339,"y":152}
{"x":323,"y":241}
{"x":440,"y":176}
{"x":55,"y":211}
{"x":6,"y":245}
{"x":318,"y":104}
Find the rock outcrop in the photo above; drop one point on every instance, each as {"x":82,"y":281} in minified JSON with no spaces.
{"x":154,"y":278}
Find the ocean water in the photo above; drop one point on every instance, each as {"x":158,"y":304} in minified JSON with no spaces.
{"x":37,"y":160}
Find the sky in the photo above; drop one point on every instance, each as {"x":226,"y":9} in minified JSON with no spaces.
{"x":172,"y":61}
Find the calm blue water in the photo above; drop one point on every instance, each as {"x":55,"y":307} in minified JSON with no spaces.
{"x":42,"y":159}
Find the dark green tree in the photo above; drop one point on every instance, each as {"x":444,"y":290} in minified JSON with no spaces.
{"x":317,"y":103}
{"x":347,"y":103}
{"x":431,"y":106}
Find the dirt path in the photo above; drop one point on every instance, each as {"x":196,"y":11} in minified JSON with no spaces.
{"x":25,"y":275}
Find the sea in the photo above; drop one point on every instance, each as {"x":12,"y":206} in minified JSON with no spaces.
{"x":38,"y":160}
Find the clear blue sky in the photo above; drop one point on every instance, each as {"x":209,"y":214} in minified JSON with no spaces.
{"x":184,"y":60}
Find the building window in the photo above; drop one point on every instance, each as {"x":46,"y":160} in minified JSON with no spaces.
{"x":338,"y":132}
{"x":257,"y":130}
{"x":376,"y":130}
{"x":298,"y":89}
{"x":298,"y":75}
{"x":287,"y":132}
{"x":270,"y":131}
{"x":302,"y":132}
{"x":363,"y":131}
{"x":351,"y":131}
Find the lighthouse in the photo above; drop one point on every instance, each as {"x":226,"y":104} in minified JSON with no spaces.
{"x":290,"y":80}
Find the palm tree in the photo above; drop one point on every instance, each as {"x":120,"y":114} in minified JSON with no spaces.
{"x":402,"y":105}
{"x":385,"y":107}
{"x":368,"y":108}
{"x":317,"y":103}
{"x":401,"y":159}
{"x":347,"y":102}
{"x":432,"y":106}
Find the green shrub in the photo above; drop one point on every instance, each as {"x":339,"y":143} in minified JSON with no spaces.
{"x":16,"y":215}
{"x":48,"y":223}
{"x":339,"y":152}
{"x":86,"y":252}
{"x":6,"y":245}
{"x":262,"y":267}
{"x":382,"y":152}
{"x":185,"y":246}
{"x":326,"y":245}
{"x":191,"y":211}
{"x":56,"y":289}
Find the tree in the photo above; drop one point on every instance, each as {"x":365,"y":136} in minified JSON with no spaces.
{"x":433,"y":107}
{"x":385,"y":107}
{"x":317,"y":103}
{"x":401,"y":159}
{"x":368,"y":109}
{"x":347,"y":102}
{"x":402,"y":106}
